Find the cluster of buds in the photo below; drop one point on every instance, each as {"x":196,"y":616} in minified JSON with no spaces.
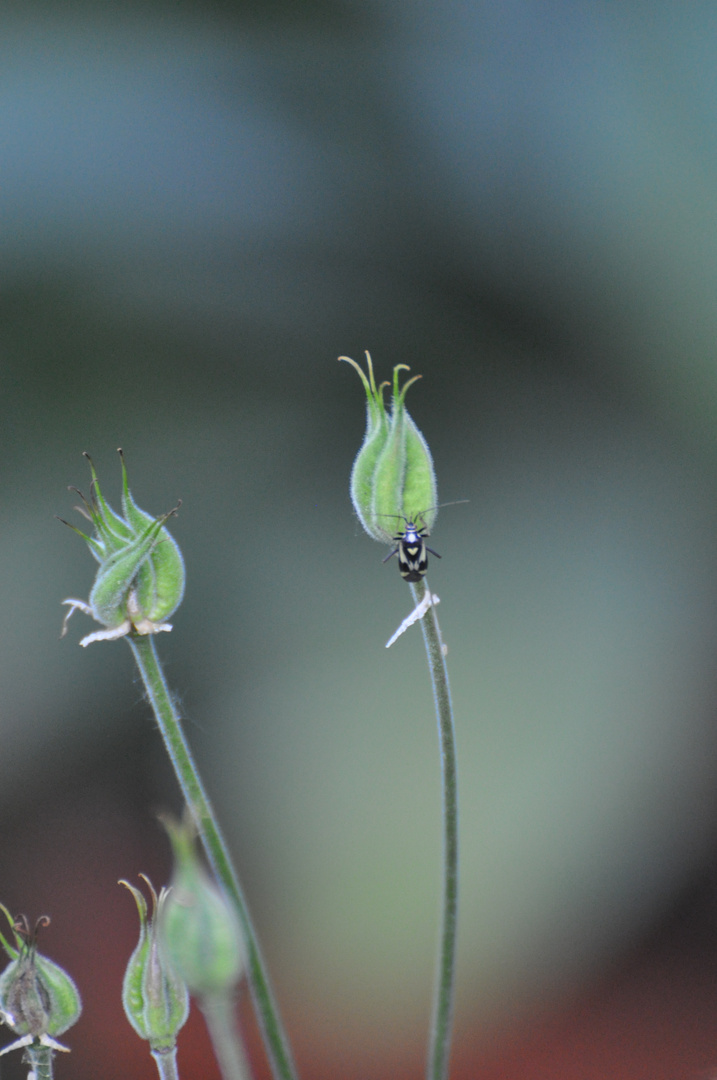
{"x":140,"y":581}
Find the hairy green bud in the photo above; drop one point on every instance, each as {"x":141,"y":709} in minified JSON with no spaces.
{"x":140,"y":580}
{"x":198,"y":929}
{"x":393,"y":475}
{"x":155,"y":999}
{"x":38,"y":999}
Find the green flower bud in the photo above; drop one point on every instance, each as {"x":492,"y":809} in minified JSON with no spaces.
{"x":140,"y":581}
{"x":155,"y":999}
{"x":393,"y":475}
{"x":198,"y":930}
{"x":38,"y":999}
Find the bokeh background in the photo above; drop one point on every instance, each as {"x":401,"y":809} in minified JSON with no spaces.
{"x":202,"y":205}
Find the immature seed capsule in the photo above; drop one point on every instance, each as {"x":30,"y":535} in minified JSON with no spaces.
{"x":393,"y":477}
{"x":155,"y":999}
{"x":38,"y":999}
{"x":140,"y":580}
{"x":198,"y":930}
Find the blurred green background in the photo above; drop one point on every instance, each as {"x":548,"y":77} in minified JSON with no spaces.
{"x":202,"y":205}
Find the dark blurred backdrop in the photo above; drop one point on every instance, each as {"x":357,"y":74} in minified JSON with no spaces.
{"x":201,"y":206}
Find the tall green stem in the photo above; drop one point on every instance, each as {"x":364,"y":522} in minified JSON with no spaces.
{"x":275,"y":1040}
{"x":442,"y":1018}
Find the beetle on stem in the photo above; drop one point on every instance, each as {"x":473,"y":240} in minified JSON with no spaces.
{"x":412,"y":548}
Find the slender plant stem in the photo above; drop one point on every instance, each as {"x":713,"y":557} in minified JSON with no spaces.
{"x":275,"y":1040}
{"x":166,"y":1064}
{"x":228,"y":1050}
{"x":442,"y":1018}
{"x":40,"y":1061}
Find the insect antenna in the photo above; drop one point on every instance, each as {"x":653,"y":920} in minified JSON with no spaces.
{"x":420,"y":513}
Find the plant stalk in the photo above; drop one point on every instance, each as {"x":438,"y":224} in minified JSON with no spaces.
{"x":442,"y":1016}
{"x":166,"y":1064}
{"x":228,"y":1049}
{"x":39,"y":1058}
{"x":275,"y":1040}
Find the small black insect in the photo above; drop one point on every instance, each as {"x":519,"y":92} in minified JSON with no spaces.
{"x":411,"y":551}
{"x":412,"y":548}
